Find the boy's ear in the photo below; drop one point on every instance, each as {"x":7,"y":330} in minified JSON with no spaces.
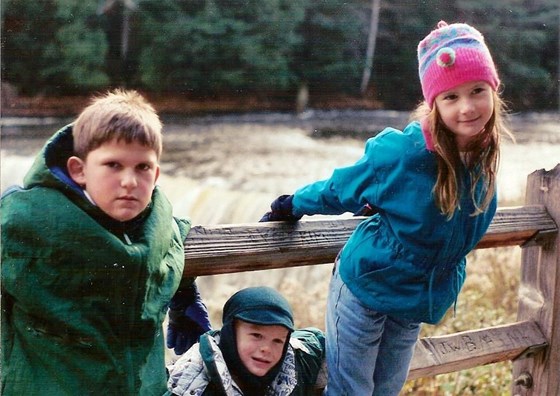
{"x":157,"y":173}
{"x":75,"y":168}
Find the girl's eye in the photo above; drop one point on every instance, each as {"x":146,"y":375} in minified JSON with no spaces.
{"x":450,"y":97}
{"x":478,"y":90}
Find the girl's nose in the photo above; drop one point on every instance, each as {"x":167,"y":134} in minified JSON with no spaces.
{"x":467,"y":106}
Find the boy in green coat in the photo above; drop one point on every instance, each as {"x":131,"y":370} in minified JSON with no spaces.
{"x":91,"y":258}
{"x":256,"y":353}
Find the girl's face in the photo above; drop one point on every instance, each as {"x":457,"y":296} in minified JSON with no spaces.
{"x":465,"y":110}
{"x":260,"y":347}
{"x":118,"y":176}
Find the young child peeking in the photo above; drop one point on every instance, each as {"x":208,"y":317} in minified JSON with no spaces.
{"x":257,"y":352}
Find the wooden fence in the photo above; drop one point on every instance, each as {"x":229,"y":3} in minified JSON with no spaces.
{"x":532,"y":342}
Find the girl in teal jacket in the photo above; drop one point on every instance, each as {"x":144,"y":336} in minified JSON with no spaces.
{"x":431,"y":190}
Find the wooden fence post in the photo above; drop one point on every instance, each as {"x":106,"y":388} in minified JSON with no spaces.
{"x":539,"y":294}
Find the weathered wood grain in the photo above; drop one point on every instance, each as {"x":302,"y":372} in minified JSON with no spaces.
{"x":233,"y":248}
{"x":539,"y":292}
{"x":460,"y":351}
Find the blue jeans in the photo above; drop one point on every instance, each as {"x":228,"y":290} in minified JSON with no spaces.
{"x":368,"y":353}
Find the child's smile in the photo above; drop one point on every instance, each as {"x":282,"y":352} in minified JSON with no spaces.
{"x":260,"y":347}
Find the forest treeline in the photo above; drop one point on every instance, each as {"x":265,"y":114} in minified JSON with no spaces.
{"x":264,"y":48}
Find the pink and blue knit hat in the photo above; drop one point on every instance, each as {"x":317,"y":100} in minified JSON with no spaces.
{"x":452,"y":55}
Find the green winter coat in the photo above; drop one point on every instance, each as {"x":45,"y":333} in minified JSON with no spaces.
{"x":82,"y":306}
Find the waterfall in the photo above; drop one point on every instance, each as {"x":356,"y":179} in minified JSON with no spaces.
{"x":209,"y":205}
{"x":12,"y":169}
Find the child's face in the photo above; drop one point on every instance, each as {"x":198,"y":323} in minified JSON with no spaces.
{"x":260,"y":347}
{"x":465,"y":109}
{"x":118,"y":176}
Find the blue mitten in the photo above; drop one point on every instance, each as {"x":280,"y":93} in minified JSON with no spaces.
{"x":281,"y":210}
{"x":188,"y":320}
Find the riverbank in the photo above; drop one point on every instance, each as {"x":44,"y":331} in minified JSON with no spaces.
{"x":324,"y":117}
{"x":15,"y":105}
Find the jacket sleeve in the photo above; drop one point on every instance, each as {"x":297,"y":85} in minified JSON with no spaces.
{"x":183,"y":228}
{"x":309,"y":347}
{"x":349,"y":188}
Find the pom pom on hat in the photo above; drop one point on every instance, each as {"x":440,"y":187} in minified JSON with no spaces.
{"x":452,"y":55}
{"x":445,"y":57}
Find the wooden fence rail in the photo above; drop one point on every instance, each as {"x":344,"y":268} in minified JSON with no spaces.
{"x":533,"y":342}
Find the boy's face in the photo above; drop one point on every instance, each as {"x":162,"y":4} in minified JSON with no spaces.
{"x":118,"y":176}
{"x":259,"y":347}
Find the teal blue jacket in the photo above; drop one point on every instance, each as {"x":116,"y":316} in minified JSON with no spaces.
{"x":83,"y":305}
{"x":407,"y":260}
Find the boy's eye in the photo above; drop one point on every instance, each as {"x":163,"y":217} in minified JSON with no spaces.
{"x":144,"y":167}
{"x":112,"y":164}
{"x":256,"y":335}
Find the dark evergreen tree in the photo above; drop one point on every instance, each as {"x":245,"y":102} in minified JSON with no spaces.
{"x":332,"y":52}
{"x":267,"y":47}
{"x":217,"y":46}
{"x":52,"y":44}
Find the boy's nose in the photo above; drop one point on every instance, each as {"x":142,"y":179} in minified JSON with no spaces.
{"x":128,"y":180}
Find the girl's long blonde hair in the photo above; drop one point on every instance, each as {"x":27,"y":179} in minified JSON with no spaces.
{"x":481,"y":158}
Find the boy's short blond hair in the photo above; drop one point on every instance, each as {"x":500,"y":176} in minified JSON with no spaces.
{"x":121,"y":115}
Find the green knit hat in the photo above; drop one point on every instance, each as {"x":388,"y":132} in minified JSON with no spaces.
{"x":259,"y":305}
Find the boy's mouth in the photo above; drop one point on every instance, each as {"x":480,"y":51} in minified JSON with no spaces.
{"x":261,"y":362}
